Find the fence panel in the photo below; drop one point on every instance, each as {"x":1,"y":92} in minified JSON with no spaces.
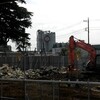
{"x":17,"y":89}
{"x":27,"y":62}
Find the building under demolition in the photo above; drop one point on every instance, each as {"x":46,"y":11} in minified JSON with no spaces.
{"x":45,"y":40}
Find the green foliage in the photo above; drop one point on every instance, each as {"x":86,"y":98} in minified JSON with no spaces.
{"x":78,"y":53}
{"x":64,"y":52}
{"x":5,"y":1}
{"x":13,"y":21}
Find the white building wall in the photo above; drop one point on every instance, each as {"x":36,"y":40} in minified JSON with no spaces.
{"x":45,"y":40}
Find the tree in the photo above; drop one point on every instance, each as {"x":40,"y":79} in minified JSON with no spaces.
{"x":64,"y":52}
{"x":7,"y":1}
{"x":13,"y":21}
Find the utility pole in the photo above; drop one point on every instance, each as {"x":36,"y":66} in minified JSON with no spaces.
{"x":88,"y":32}
{"x":88,"y":29}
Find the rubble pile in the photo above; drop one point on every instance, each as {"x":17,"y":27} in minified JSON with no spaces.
{"x":50,"y":72}
{"x":10,"y":72}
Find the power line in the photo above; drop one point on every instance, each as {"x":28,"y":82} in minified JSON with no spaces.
{"x":63,"y":28}
{"x":95,"y":20}
{"x":74,"y":25}
{"x":95,"y":29}
{"x":71,"y":32}
{"x":84,"y":29}
{"x":68,"y":27}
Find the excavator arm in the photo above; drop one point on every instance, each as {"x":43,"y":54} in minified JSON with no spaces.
{"x":73,"y":43}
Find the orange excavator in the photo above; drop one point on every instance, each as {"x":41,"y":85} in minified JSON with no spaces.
{"x":93,"y":57}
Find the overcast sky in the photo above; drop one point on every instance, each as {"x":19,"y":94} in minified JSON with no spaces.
{"x":65,"y":18}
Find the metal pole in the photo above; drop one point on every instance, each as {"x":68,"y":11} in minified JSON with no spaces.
{"x":88,"y":32}
{"x":1,"y":90}
{"x":88,"y":29}
{"x":53,"y":90}
{"x":88,"y":90}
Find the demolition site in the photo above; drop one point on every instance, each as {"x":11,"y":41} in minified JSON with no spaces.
{"x":53,"y":71}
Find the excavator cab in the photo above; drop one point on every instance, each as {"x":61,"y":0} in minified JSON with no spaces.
{"x":97,"y":64}
{"x":95,"y":67}
{"x":98,"y":60}
{"x":90,"y":66}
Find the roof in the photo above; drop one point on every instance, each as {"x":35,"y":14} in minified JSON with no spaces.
{"x":97,"y":47}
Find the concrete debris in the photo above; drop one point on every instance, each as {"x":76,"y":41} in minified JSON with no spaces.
{"x":50,"y":72}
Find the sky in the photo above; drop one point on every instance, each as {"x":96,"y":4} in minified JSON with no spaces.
{"x":65,"y":18}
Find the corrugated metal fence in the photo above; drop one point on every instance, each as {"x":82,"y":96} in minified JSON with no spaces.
{"x":31,"y":61}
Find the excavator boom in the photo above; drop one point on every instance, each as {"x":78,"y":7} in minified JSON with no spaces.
{"x":73,"y":43}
